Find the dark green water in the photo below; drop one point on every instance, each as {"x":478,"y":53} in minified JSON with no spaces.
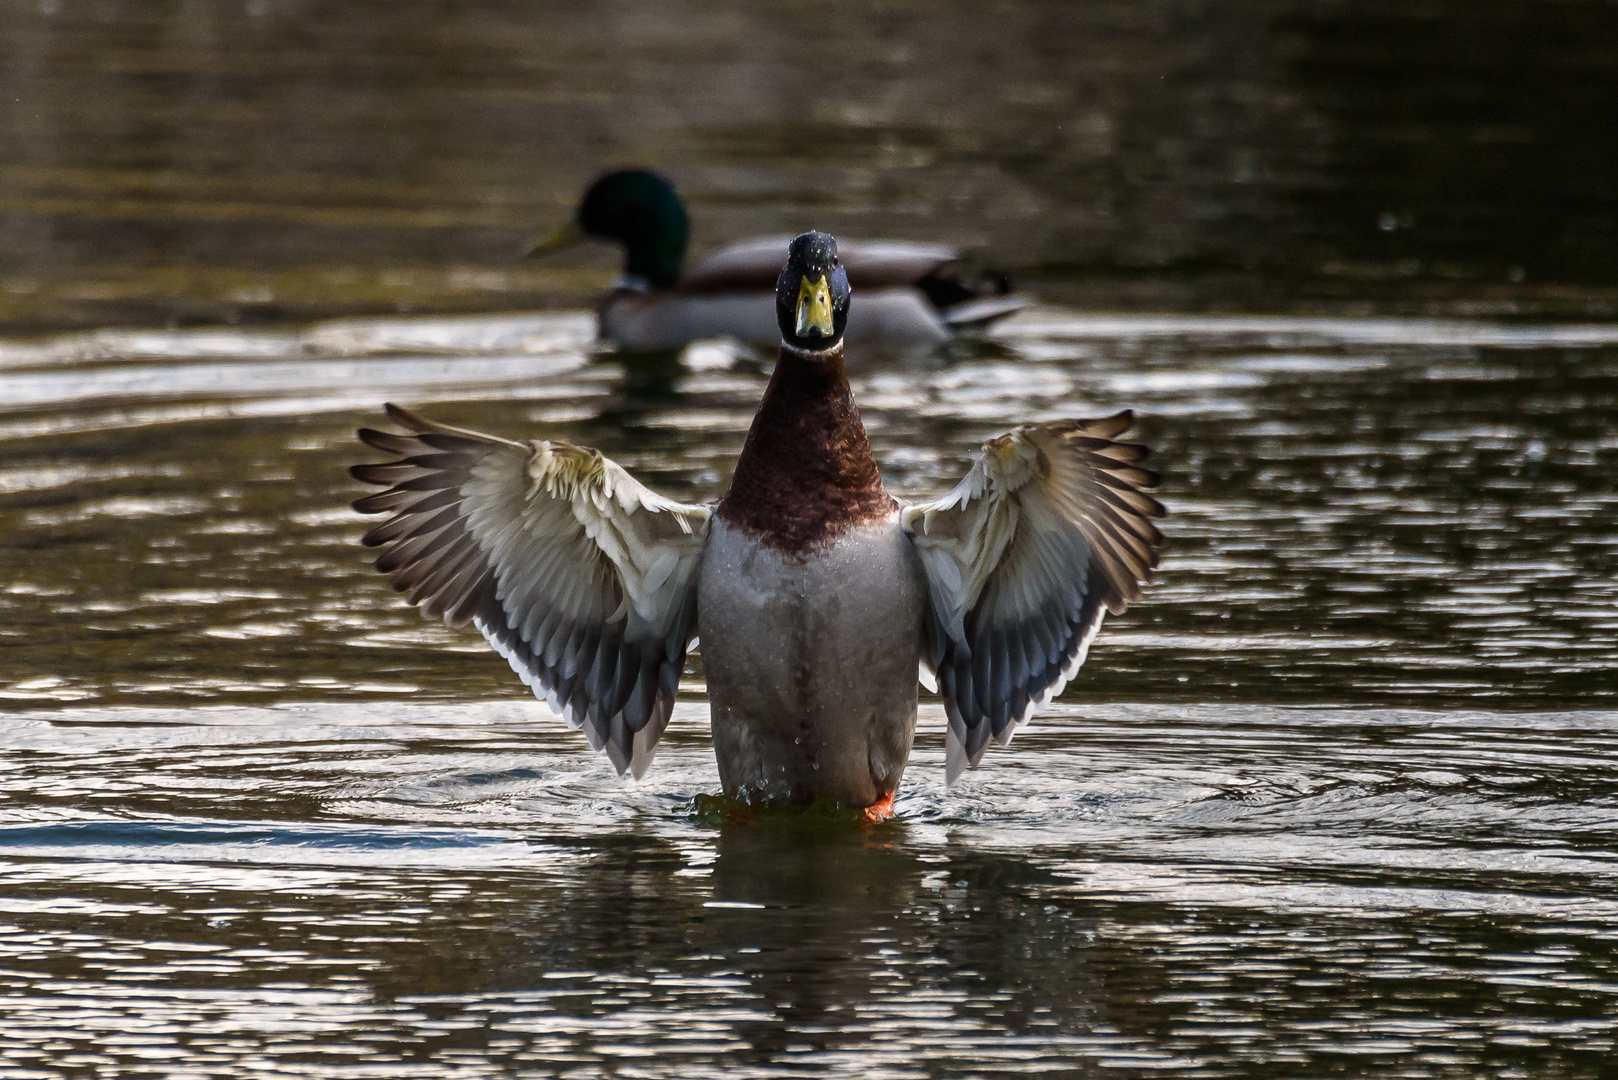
{"x":1340,"y":798}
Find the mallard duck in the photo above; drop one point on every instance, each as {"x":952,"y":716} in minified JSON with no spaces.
{"x":819,"y":599}
{"x":908,"y":294}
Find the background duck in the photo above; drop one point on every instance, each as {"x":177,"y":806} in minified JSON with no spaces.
{"x":818,"y":598}
{"x":909,"y":294}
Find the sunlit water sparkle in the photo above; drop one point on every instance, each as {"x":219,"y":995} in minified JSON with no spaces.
{"x":1338,"y":799}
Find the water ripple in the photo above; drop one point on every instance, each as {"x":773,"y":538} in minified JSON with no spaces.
{"x":1340,"y":796}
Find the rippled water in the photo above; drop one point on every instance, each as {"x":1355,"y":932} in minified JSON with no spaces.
{"x":225,"y":160}
{"x":1339,"y":798}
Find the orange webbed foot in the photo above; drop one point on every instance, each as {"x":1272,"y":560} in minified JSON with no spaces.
{"x":882,"y":809}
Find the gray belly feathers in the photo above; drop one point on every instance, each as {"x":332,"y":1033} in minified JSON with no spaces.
{"x":811,"y":663}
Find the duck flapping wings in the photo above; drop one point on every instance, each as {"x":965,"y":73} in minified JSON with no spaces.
{"x":585,"y":580}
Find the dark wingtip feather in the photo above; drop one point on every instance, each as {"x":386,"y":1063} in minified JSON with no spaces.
{"x":380,"y":503}
{"x":1139,"y":451}
{"x":385,"y":441}
{"x":1109,"y":427}
{"x":372,"y":538}
{"x":405,"y":418}
{"x":365,"y":474}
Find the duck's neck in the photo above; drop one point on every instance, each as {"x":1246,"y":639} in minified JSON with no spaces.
{"x":806,"y":474}
{"x":656,"y":254}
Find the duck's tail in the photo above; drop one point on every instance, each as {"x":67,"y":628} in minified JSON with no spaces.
{"x":981,"y":313}
{"x":969,"y":297}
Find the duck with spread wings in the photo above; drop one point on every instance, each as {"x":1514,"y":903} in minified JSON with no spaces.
{"x":819,"y":599}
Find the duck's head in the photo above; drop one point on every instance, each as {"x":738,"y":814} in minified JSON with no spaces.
{"x":812,"y":294}
{"x":637,"y":208}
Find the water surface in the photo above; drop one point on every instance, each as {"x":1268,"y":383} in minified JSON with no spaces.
{"x":176,"y":161}
{"x":1339,"y":798}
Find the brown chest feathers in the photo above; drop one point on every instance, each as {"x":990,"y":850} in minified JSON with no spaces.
{"x":806,"y":474}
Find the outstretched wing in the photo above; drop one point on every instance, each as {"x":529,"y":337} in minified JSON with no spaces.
{"x":582,"y":578}
{"x":1048,"y":532}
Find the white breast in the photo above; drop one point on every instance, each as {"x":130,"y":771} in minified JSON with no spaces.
{"x":811,"y":663}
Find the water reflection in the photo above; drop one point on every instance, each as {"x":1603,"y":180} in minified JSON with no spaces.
{"x":810,"y":912}
{"x":1197,"y":890}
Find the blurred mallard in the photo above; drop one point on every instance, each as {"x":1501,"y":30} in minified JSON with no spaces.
{"x":909,"y":294}
{"x":818,"y":598}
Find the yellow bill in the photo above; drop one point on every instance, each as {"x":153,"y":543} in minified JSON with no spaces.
{"x":814,"y":307}
{"x":564,"y":237}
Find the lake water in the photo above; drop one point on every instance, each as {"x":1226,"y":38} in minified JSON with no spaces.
{"x":1340,"y":797}
{"x":184,"y":161}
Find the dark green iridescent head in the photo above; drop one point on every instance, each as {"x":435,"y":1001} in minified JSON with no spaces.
{"x":812,"y":293}
{"x":640,"y":210}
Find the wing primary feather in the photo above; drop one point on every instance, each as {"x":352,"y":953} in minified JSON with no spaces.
{"x":578,"y":707}
{"x":549,"y":624}
{"x":387,"y":442}
{"x":384,"y":473}
{"x":977,"y":737}
{"x":602,"y":660}
{"x":668,"y":680}
{"x":394,"y":500}
{"x":1117,"y":475}
{"x":643,"y":694}
{"x":402,"y":556}
{"x":393,"y":528}
{"x":421,"y":425}
{"x":1109,"y":427}
{"x":1017,"y":650}
{"x":1020,"y":702}
{"x":429,"y":481}
{"x":1000,"y":678}
{"x":561,"y":643}
{"x":621,"y":682}
{"x":982,"y":676}
{"x":1125,"y":542}
{"x":475,"y":595}
{"x":619,"y":743}
{"x":454,"y":589}
{"x":457,"y":465}
{"x":441,"y":440}
{"x":575,"y":654}
{"x":954,"y":756}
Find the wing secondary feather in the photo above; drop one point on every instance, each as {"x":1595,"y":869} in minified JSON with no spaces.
{"x":580,"y":576}
{"x":1048,"y":532}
